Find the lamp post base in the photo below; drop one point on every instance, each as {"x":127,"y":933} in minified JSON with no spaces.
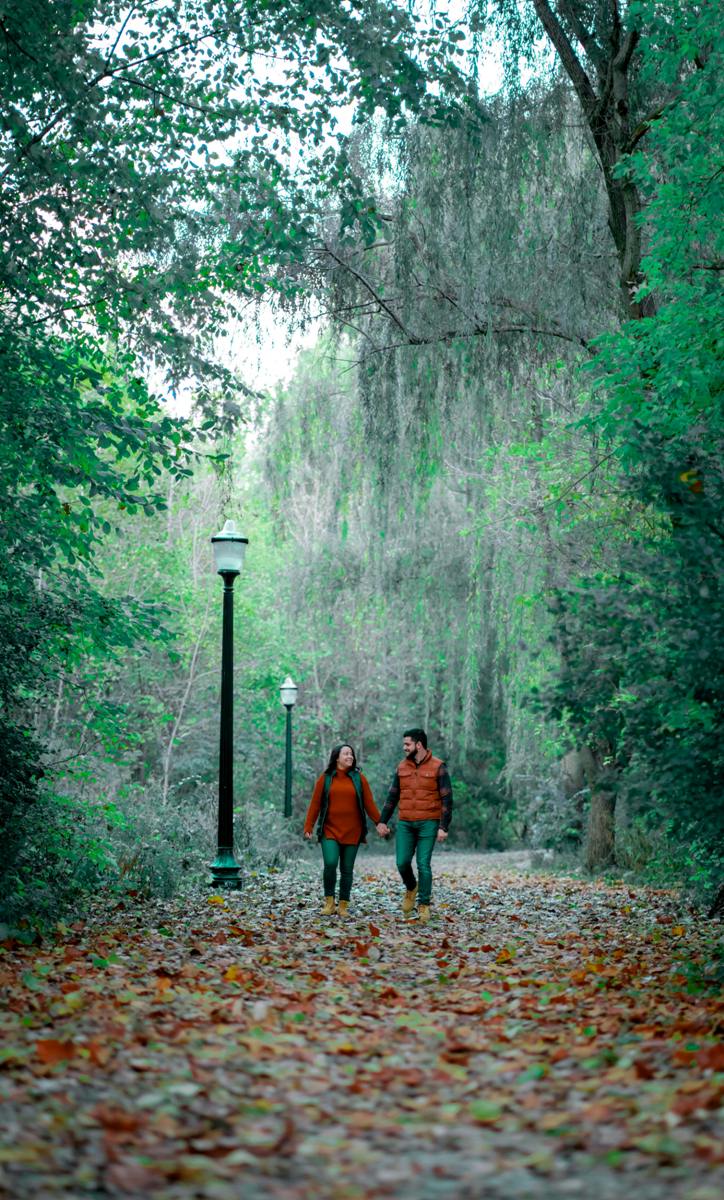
{"x":225,"y":871}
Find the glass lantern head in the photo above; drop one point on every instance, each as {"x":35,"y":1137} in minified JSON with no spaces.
{"x":288,"y":691}
{"x":229,"y":549}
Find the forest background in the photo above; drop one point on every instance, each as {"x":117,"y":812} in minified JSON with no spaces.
{"x":486,"y":499}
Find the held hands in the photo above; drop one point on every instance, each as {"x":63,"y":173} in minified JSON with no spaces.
{"x":384,"y":831}
{"x":307,"y":837}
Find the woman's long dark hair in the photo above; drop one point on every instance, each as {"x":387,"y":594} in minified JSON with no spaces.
{"x":331,"y":766}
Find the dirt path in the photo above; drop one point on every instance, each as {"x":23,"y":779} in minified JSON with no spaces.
{"x":541,"y":1038}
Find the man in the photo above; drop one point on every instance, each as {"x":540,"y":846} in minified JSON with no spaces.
{"x":422,"y":788}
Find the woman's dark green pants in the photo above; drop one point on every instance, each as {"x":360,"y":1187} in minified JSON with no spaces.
{"x":336,"y":855}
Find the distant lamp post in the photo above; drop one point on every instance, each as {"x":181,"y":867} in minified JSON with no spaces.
{"x":229,"y":550}
{"x":288,"y":693}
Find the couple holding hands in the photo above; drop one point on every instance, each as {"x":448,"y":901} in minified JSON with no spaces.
{"x":342,"y":800}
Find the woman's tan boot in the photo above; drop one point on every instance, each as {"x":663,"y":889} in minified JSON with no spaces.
{"x":328,"y":906}
{"x":423,"y":913}
{"x":343,"y":908}
{"x":408,"y":902}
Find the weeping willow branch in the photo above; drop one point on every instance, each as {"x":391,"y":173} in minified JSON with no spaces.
{"x":382,"y":304}
{"x":454,"y":335}
{"x":479,"y":329}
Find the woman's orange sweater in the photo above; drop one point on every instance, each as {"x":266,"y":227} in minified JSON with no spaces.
{"x":343,"y":823}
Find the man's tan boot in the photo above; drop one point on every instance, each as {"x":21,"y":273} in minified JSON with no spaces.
{"x":343,"y":908}
{"x":328,"y":906}
{"x":409,"y":901}
{"x":423,"y":913}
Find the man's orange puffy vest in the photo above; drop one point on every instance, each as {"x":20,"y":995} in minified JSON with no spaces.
{"x":419,"y":793}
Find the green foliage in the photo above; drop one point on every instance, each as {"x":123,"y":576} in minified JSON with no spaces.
{"x":62,"y":855}
{"x":464,"y":531}
{"x":671,"y":853}
{"x":484,"y":817}
{"x":644,"y":672}
{"x":70,"y":848}
{"x":613,"y":483}
{"x":468,"y":331}
{"x":81,"y":440}
{"x":164,"y":167}
{"x":155,"y":174}
{"x":362,"y":610}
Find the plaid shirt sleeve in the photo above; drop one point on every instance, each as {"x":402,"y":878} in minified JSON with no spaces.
{"x":393,"y":799}
{"x":445,"y":788}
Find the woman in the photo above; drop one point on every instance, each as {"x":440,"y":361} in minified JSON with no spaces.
{"x":340,"y":799}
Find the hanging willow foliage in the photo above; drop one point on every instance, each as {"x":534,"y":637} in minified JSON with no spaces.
{"x":490,"y":254}
{"x":539,"y":538}
{"x":421,"y":445}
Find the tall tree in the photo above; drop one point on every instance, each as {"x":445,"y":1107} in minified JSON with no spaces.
{"x":599,"y":45}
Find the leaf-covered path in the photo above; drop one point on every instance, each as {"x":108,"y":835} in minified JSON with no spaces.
{"x":542,"y":1037}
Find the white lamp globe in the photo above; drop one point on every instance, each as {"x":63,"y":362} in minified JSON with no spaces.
{"x":229,"y":549}
{"x":288,"y":691}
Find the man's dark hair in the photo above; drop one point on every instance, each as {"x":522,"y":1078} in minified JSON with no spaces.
{"x":417,"y":735}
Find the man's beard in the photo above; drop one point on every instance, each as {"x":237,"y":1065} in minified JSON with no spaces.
{"x":411,"y":757}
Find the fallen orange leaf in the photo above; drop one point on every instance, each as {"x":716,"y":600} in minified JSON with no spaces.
{"x":111,"y":1117}
{"x":712,"y":1057}
{"x":51,"y":1051}
{"x":643,"y":1069}
{"x":98,"y":1052}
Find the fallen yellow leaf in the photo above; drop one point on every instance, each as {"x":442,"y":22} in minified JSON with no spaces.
{"x":21,"y":1154}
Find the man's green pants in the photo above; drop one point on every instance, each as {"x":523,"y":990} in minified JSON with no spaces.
{"x":420,"y":837}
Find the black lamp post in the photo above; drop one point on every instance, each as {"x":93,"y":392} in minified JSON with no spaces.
{"x":288,"y":695}
{"x":229,"y":549}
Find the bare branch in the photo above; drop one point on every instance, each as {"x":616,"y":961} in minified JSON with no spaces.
{"x":14,"y":41}
{"x":453,"y":335}
{"x":157,"y":91}
{"x":580,"y":479}
{"x":119,"y":35}
{"x":362,"y":332}
{"x":586,"y":39}
{"x":411,"y":337}
{"x":643,"y":128}
{"x":567,"y":55}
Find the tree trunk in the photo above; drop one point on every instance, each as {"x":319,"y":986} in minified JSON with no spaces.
{"x":600,"y":840}
{"x":607,"y":113}
{"x":600,"y":848}
{"x":578,"y":776}
{"x":168,"y":752}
